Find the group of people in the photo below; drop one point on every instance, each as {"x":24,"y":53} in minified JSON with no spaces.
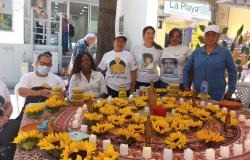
{"x":130,"y":70}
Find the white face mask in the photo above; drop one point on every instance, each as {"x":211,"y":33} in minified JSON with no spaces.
{"x":43,"y":70}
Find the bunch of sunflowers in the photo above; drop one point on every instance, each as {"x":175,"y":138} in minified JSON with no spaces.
{"x":108,"y":154}
{"x":209,"y":136}
{"x":121,"y":102}
{"x":128,"y":135}
{"x":161,"y":126}
{"x":34,"y":110}
{"x":102,"y":129}
{"x":92,"y":118}
{"x":116,"y":120}
{"x":88,"y":97}
{"x":54,"y":103}
{"x":108,"y":109}
{"x":176,"y":140}
{"x":222,"y":117}
{"x":139,"y":102}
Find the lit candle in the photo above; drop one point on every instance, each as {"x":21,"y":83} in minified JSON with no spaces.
{"x":167,"y":154}
{"x":188,"y":154}
{"x":224,"y":151}
{"x":242,"y":118}
{"x":210,"y":154}
{"x":146,"y":152}
{"x":182,"y":100}
{"x":146,"y":109}
{"x":84,"y":128}
{"x":105,"y":143}
{"x":85,"y":107}
{"x":237,"y":149}
{"x":92,"y":138}
{"x":77,"y":117}
{"x":75,"y":124}
{"x":202,"y":103}
{"x":247,"y":122}
{"x":123,"y":149}
{"x":247,"y":145}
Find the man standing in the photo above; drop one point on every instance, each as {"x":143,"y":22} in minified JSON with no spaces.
{"x":65,"y":33}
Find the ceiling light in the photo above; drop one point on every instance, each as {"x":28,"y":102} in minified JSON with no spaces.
{"x":85,"y":7}
{"x":81,"y":13}
{"x":56,"y":7}
{"x":56,"y":3}
{"x":83,"y":10}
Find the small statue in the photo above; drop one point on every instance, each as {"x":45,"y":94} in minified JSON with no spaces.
{"x":227,"y":122}
{"x":90,"y":106}
{"x":148,"y":131}
{"x":152,"y":97}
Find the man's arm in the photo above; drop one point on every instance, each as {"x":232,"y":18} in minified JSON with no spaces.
{"x":25,"y":92}
{"x":133,"y":80}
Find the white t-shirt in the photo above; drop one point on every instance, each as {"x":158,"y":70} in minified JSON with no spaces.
{"x":4,"y":92}
{"x":147,"y":60}
{"x":95,"y":85}
{"x":119,"y":66}
{"x":173,"y":60}
{"x":30,"y":80}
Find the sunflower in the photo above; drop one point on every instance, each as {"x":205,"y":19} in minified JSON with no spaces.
{"x":54,"y":103}
{"x":161,"y":90}
{"x":169,"y":105}
{"x":121,"y":102}
{"x":128,"y":135}
{"x":176,"y":140}
{"x":116,"y":119}
{"x":185,"y":94}
{"x":139,"y":102}
{"x":161,"y":126}
{"x":209,"y":136}
{"x":100,"y":103}
{"x":78,"y":150}
{"x":101,"y":129}
{"x":88,"y":97}
{"x":222,"y":117}
{"x":212,"y":108}
{"x":201,"y":114}
{"x":137,"y":128}
{"x":108,"y":109}
{"x":27,"y":140}
{"x":128,"y":114}
{"x":140,"y":119}
{"x":34,"y":110}
{"x":203,"y":96}
{"x":108,"y":154}
{"x":92,"y":118}
{"x":54,"y":143}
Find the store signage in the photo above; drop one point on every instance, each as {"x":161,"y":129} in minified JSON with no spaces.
{"x":193,"y":10}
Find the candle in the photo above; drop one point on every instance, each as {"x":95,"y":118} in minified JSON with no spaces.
{"x":242,"y":118}
{"x":130,"y":98}
{"x":77,"y":117}
{"x":75,"y":124}
{"x":224,"y":109}
{"x":105,"y":143}
{"x":146,"y":152}
{"x":85,"y":107}
{"x":109,"y":99}
{"x":84,"y":128}
{"x":247,"y":122}
{"x":202,"y":103}
{"x":233,"y":113}
{"x":224,"y":151}
{"x":146,"y":109}
{"x":217,"y":106}
{"x":210,"y":154}
{"x":167,"y":154}
{"x":173,"y":112}
{"x":92,"y":138}
{"x":123,"y":149}
{"x":237,"y":149}
{"x":79,"y":111}
{"x":247,"y":145}
{"x":188,"y":154}
{"x":182,"y":100}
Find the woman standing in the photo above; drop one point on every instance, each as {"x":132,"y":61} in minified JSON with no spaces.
{"x":173,"y":59}
{"x":147,"y":57}
{"x":84,"y":75}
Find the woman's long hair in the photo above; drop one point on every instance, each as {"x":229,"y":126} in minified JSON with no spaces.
{"x":77,"y":66}
{"x":171,"y":34}
{"x":157,"y":46}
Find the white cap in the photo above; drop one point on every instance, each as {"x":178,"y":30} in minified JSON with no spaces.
{"x":213,"y":28}
{"x":120,"y":34}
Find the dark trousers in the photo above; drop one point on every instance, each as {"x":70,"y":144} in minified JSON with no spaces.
{"x":157,"y":84}
{"x":65,"y":40}
{"x":115,"y":93}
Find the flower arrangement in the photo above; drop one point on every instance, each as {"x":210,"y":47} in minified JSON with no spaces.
{"x":176,"y":140}
{"x":186,"y":94}
{"x":55,"y":143}
{"x":79,"y":150}
{"x":34,"y":110}
{"x":161,"y":126}
{"x":117,"y":120}
{"x":140,"y":119}
{"x":108,"y":109}
{"x":222,"y":117}
{"x":169,"y":105}
{"x":54,"y":103}
{"x":161,"y":90}
{"x":128,"y":135}
{"x":101,"y":129}
{"x":168,"y":99}
{"x":100,"y":103}
{"x":128,"y":115}
{"x":27,"y":140}
{"x":203,"y":96}
{"x":88,"y":97}
{"x":92,"y":118}
{"x":212,"y":108}
{"x":202,"y":114}
{"x":137,"y":128}
{"x":108,"y":154}
{"x":139,"y":102}
{"x":121,"y":102}
{"x":209,"y":136}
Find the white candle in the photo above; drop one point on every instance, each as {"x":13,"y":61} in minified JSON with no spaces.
{"x":85,"y":107}
{"x":224,"y":151}
{"x":217,"y":106}
{"x":247,"y":145}
{"x":167,"y":154}
{"x":210,"y":154}
{"x":242,"y":118}
{"x":146,"y":109}
{"x":237,"y":149}
{"x":92,"y":138}
{"x":77,"y":117}
{"x":247,"y":122}
{"x":123,"y":149}
{"x":105,"y":143}
{"x":84,"y":128}
{"x":130,"y":98}
{"x":188,"y":154}
{"x":173,"y":112}
{"x":146,"y":152}
{"x":224,"y":109}
{"x":79,"y":110}
{"x":202,"y":103}
{"x":75,"y":124}
{"x":182,"y":100}
{"x":109,"y":99}
{"x":248,"y":136}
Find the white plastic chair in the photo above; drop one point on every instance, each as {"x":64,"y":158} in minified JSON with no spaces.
{"x":243,"y":93}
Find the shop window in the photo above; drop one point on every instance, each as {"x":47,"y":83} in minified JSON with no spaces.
{"x":6,"y":13}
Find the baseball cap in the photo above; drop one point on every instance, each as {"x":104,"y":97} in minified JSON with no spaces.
{"x":213,"y":27}
{"x":120,"y":34}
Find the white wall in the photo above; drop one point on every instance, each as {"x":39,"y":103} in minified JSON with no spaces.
{"x":137,"y":14}
{"x":16,"y":35}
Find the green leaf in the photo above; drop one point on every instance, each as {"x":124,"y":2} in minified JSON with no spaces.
{"x":240,"y":40}
{"x":232,"y":48}
{"x":240,"y":30}
{"x":202,"y":27}
{"x":201,"y":39}
{"x":224,"y":44}
{"x":224,"y":31}
{"x":238,"y":61}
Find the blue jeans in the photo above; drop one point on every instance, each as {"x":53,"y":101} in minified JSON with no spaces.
{"x":65,"y":40}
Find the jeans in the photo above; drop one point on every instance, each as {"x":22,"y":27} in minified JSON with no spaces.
{"x":65,"y":39}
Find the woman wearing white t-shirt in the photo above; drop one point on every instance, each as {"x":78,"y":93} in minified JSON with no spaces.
{"x":173,"y":59}
{"x":147,"y":57}
{"x":84,"y":75}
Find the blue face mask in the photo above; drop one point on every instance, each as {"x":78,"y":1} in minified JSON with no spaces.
{"x":43,"y":70}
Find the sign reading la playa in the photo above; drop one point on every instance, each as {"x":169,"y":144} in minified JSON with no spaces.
{"x":199,"y":11}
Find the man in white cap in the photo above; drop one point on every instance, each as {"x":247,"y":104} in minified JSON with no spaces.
{"x":120,"y":67}
{"x":210,"y":63}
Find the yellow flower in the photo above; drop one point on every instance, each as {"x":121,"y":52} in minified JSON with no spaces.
{"x":140,"y":119}
{"x":81,"y":150}
{"x":128,"y":114}
{"x":116,"y":120}
{"x":222,"y":117}
{"x":121,"y":102}
{"x":212,"y":108}
{"x":88,"y":96}
{"x":92,"y":118}
{"x":203,"y":96}
{"x":34,"y":108}
{"x":186,"y":94}
{"x":168,"y":99}
{"x":209,"y":136}
{"x":161,"y":90}
{"x":169,"y":105}
{"x":139,"y":102}
{"x":201,"y":114}
{"x":100,"y":103}
{"x":161,"y":126}
{"x":128,"y":135}
{"x":100,"y":129}
{"x":108,"y":154}
{"x":108,"y":109}
{"x":54,"y":102}
{"x":176,"y":140}
{"x":137,"y":128}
